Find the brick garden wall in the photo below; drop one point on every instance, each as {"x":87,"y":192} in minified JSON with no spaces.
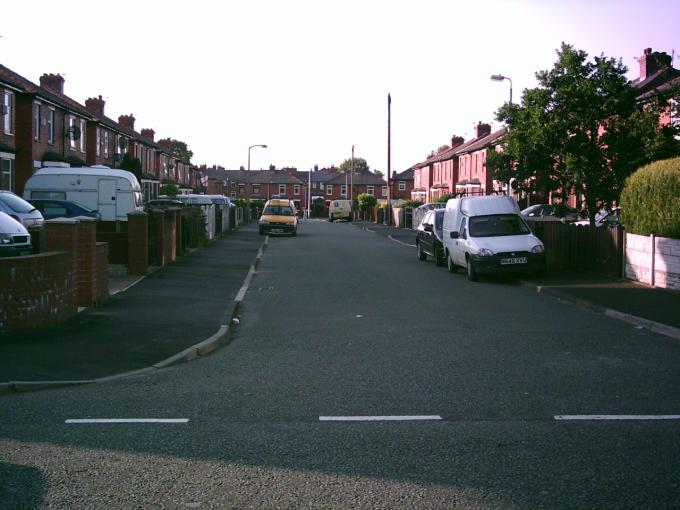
{"x":37,"y":290}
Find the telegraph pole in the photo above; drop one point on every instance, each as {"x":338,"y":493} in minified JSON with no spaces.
{"x":389,"y":158}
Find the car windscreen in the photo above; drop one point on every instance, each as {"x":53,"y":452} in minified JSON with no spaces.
{"x":497,"y":225}
{"x":278,"y":210}
{"x":16,"y":204}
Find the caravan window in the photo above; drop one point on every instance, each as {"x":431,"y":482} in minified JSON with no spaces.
{"x":54,"y":195}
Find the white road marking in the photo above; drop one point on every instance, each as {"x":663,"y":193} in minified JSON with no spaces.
{"x":617,"y":417}
{"x":128,"y":420}
{"x":401,"y":242}
{"x":379,"y":418}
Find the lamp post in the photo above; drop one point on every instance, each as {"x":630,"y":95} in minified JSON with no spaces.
{"x":500,"y":77}
{"x":248,"y":178}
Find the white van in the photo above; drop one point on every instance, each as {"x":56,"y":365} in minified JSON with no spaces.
{"x":112,"y":192}
{"x":487,"y":235}
{"x":340,"y":210}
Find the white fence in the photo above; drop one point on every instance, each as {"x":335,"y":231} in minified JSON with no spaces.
{"x":653,"y":260}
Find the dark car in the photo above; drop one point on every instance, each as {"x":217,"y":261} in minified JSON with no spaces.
{"x":550,"y":212}
{"x":429,"y":237}
{"x":53,"y":208}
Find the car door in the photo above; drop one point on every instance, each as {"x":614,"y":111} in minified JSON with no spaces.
{"x":460,"y":245}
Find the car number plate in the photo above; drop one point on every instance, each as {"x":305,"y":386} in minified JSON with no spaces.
{"x":514,"y":260}
{"x":276,"y":230}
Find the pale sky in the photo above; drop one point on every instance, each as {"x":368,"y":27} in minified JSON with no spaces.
{"x":310,"y":78}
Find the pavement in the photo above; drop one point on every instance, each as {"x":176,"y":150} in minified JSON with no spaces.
{"x":171,"y":315}
{"x":189,"y":308}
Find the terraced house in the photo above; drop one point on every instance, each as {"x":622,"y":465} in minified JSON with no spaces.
{"x":41,"y":124}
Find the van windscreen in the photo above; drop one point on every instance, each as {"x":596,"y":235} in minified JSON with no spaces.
{"x":497,"y":225}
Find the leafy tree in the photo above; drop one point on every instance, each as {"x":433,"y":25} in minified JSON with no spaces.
{"x":181,"y":150}
{"x":359,"y":165}
{"x":132,"y":164}
{"x":579,"y":130}
{"x":169,"y":188}
{"x":443,"y":148}
{"x":366,"y":203}
{"x":378,"y":173}
{"x":444,"y":198}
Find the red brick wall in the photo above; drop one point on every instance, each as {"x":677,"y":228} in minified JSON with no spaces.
{"x":102,"y":277}
{"x":37,"y":290}
{"x":138,"y":243}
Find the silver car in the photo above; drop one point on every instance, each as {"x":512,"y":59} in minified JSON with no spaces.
{"x":14,"y":238}
{"x":20,"y":210}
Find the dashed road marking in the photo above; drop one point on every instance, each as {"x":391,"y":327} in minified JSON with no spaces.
{"x":381,"y":418}
{"x":616,"y":417}
{"x":127,"y":420}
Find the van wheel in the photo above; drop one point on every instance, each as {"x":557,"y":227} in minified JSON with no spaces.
{"x":450,"y":265}
{"x":330,"y":219}
{"x":421,"y":254}
{"x":471,"y":272}
{"x":439,"y":256}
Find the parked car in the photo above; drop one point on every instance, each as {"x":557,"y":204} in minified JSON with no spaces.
{"x":14,"y":238}
{"x":62,"y":209}
{"x":429,"y":237}
{"x":487,"y":235}
{"x":20,"y":210}
{"x":550,"y":212}
{"x":278,"y":217}
{"x":605,"y":218}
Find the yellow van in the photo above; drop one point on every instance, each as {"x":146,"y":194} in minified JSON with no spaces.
{"x":278,"y":217}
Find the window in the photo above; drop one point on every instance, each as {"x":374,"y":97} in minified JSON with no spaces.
{"x":82,"y":135}
{"x":36,"y":121}
{"x":314,"y":185}
{"x":99,"y":142}
{"x":50,"y":125}
{"x":9,"y":116}
{"x":7,"y":171}
{"x":72,"y":133}
{"x":343,"y":190}
{"x":106,"y":144}
{"x":241,"y":188}
{"x":296,"y":189}
{"x":256,"y":189}
{"x":369,"y":190}
{"x":384,"y":191}
{"x":329,"y":189}
{"x":282,"y":189}
{"x":233,"y":194}
{"x":402,"y":185}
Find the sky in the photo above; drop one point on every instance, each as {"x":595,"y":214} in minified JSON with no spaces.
{"x":310,"y":78}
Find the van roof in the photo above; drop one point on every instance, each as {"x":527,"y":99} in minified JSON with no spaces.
{"x":490,"y":204}
{"x":99,"y":170}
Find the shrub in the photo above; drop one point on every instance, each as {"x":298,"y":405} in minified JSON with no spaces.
{"x":411,"y":203}
{"x":169,"y":188}
{"x":444,"y":198}
{"x":650,"y":200}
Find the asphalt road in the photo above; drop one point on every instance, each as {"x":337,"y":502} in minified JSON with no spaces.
{"x":341,"y":324}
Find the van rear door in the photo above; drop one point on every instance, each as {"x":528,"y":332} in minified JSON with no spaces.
{"x":107,"y":199}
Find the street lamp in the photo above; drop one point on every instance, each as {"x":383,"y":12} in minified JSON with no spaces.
{"x":248,"y":183}
{"x":500,"y":77}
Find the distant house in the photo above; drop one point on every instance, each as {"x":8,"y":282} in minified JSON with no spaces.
{"x":402,"y":184}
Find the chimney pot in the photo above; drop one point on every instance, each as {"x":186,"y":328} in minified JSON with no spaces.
{"x":53,"y":82}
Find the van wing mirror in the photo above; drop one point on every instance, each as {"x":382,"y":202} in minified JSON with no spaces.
{"x":427,"y":227}
{"x":454,"y":235}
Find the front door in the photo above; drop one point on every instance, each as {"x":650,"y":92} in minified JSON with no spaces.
{"x":107,"y":199}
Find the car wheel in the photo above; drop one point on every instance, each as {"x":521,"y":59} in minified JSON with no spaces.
{"x":439,"y":256}
{"x":261,"y":232}
{"x":330,"y":219}
{"x":293,"y":233}
{"x":471,"y":272}
{"x":450,"y":265}
{"x":421,"y":253}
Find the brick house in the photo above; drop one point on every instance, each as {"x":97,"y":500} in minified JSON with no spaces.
{"x":473,"y":177}
{"x":352,"y":184}
{"x":402,"y":184}
{"x":40,"y":124}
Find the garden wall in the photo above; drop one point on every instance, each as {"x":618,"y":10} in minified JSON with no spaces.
{"x":653,"y":260}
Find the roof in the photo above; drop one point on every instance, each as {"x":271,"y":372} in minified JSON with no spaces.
{"x":656,"y":80}
{"x":358,"y":179}
{"x":658,"y":86}
{"x":481,"y":143}
{"x":406,"y":175}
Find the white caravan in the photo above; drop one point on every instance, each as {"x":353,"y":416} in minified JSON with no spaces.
{"x":112,"y":192}
{"x":487,"y":235}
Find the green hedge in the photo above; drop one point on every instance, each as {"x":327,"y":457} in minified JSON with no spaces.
{"x":650,"y":200}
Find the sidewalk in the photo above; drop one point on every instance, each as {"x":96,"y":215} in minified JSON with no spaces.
{"x":147,"y":324}
{"x":650,"y":307}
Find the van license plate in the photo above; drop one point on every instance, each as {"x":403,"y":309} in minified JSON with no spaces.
{"x":276,"y":231}
{"x":516,"y":260}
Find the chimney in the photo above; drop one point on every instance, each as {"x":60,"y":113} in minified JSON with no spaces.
{"x":127,"y":121}
{"x":148,"y":134}
{"x":482,"y":130}
{"x":651,"y":63}
{"x":456,"y":141}
{"x":165,"y":143}
{"x":53,"y":82}
{"x":95,"y":106}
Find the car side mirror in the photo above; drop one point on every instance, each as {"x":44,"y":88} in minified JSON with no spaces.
{"x":455,"y":235}
{"x":427,"y":227}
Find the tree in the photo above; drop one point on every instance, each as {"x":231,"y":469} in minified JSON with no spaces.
{"x":580,"y":130}
{"x":378,"y":173}
{"x":366,"y":203}
{"x":169,"y":188}
{"x":181,"y":150}
{"x":357,"y":165}
{"x":132,"y":164}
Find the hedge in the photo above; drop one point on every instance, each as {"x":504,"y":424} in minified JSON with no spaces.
{"x":650,"y":200}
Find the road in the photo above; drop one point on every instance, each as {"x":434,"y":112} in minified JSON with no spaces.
{"x":359,"y":377}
